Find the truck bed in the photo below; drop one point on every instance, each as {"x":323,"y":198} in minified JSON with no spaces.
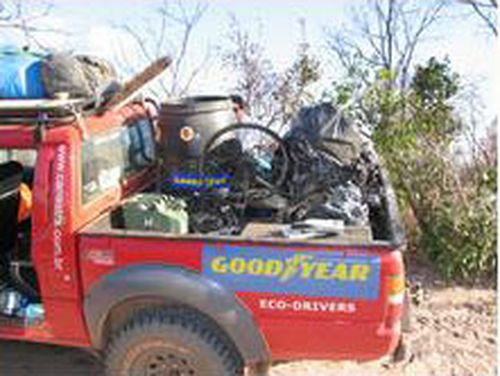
{"x":308,"y":303}
{"x":256,"y":232}
{"x":320,"y":298}
{"x":393,"y":233}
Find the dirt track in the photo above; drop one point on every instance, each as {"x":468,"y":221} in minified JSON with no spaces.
{"x":454,"y":335}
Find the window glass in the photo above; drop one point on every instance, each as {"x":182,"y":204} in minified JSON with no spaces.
{"x":110,"y":157}
{"x":26,"y":157}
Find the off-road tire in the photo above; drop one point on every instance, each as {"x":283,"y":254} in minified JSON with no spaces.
{"x":171,"y":342}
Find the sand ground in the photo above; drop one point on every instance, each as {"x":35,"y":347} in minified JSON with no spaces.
{"x":454,"y":334}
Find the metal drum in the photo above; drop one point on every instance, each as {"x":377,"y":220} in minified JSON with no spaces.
{"x":189,"y":123}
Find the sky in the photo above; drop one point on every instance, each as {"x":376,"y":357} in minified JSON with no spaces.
{"x":93,"y":28}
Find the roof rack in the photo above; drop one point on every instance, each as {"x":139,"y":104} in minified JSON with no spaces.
{"x":45,"y":111}
{"x":33,"y":111}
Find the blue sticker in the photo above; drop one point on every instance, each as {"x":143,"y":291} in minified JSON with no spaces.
{"x":318,"y":274}
{"x":194,"y":181}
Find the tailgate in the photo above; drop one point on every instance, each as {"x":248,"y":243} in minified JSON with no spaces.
{"x":332,"y":291}
{"x":356,"y":277}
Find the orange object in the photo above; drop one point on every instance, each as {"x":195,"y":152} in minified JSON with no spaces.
{"x":25,"y":203}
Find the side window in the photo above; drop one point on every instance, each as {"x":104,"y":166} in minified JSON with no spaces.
{"x":109,"y":157}
{"x":26,"y":157}
{"x":102,"y":168}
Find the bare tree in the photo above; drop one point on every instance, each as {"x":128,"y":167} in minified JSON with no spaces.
{"x":273,"y":97}
{"x":385,"y":35}
{"x":253,"y":71}
{"x":169,"y":30}
{"x":24,"y":19}
{"x":293,"y":90}
{"x":486,"y":10}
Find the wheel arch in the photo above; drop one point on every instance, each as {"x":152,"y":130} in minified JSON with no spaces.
{"x":117,"y":294}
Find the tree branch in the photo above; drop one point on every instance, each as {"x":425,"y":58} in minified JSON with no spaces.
{"x":481,"y":9}
{"x":174,"y":18}
{"x":19,"y":17}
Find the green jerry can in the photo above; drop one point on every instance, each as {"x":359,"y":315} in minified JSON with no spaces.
{"x":155,"y":212}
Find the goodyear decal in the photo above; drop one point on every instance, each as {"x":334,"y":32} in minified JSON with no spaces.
{"x":199,"y":182}
{"x":321,"y":274}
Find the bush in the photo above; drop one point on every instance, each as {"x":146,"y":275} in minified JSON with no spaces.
{"x":460,"y":239}
{"x":453,"y":204}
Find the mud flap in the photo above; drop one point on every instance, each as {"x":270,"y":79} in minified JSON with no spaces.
{"x":406,"y":320}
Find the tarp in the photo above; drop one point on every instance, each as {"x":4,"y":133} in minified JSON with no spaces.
{"x":20,"y":74}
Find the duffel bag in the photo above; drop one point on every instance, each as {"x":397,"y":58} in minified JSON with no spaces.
{"x":80,"y":76}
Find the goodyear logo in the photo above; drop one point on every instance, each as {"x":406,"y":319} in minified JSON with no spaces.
{"x":199,"y":182}
{"x":326,"y":274}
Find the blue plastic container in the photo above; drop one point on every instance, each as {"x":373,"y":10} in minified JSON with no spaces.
{"x":20,"y":74}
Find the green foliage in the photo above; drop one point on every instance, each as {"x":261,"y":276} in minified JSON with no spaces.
{"x":414,"y":132}
{"x":461,"y":238}
{"x":386,"y":75}
{"x":435,"y":83}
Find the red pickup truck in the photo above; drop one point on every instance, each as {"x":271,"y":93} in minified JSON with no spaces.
{"x":152,"y":303}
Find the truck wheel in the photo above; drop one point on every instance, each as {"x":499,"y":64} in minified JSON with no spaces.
{"x":172,"y":342}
